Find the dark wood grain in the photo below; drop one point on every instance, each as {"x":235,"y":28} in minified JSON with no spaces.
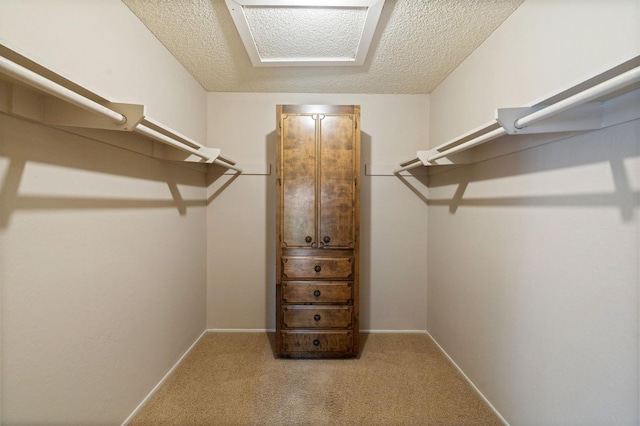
{"x":317,"y":268}
{"x":317,"y":292}
{"x":298,"y":181}
{"x":318,"y":208}
{"x":328,"y":341}
{"x":316,"y":316}
{"x":337,"y":182}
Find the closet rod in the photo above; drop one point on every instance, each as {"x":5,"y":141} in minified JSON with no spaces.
{"x":408,"y":165}
{"x":227,"y":165}
{"x":144,"y":130}
{"x":35,"y":80}
{"x":494,"y":134}
{"x":613,"y":84}
{"x":623,"y":80}
{"x":52,"y":88}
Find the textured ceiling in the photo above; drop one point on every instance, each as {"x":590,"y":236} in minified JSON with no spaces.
{"x":416,"y":45}
{"x":322,"y":32}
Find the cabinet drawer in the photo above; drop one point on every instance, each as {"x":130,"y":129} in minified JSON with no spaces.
{"x":317,"y":292}
{"x":317,"y":267}
{"x":309,"y":341}
{"x":313,"y":316}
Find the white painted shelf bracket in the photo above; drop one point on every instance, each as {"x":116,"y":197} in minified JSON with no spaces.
{"x":609,"y":98}
{"x":585,"y":117}
{"x":57,"y":112}
{"x":56,"y":101}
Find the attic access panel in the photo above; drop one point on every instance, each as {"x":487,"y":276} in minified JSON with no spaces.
{"x":305,"y":32}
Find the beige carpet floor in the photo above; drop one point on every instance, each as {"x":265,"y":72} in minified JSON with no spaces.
{"x":234,"y":379}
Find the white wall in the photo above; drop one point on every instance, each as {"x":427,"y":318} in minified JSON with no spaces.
{"x":104,"y":46}
{"x":545,"y":45}
{"x":533,"y":279}
{"x":102,"y":251}
{"x":241,"y":219}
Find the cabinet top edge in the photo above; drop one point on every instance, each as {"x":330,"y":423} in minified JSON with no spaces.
{"x":319,"y":109}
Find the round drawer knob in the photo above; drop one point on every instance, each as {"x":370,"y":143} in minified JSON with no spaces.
{"x":317,"y":317}
{"x":316,"y":293}
{"x":308,"y":239}
{"x":317,"y":268}
{"x":316,"y":342}
{"x":327,"y":239}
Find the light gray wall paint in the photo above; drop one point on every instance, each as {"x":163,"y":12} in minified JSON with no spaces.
{"x":543,"y":47}
{"x":103,"y":275}
{"x":102,"y":251}
{"x":533,"y":257}
{"x":241,"y":218}
{"x":102,"y":45}
{"x":550,"y":337}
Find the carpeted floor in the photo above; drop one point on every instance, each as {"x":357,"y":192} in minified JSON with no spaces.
{"x":234,"y":379}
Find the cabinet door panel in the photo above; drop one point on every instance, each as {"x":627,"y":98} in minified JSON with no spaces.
{"x":337,"y":185}
{"x":298,"y":181}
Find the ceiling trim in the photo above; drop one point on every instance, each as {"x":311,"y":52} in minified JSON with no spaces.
{"x":374,"y":9}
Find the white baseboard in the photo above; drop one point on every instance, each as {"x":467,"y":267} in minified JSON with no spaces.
{"x":473,"y":386}
{"x":394,"y":331}
{"x":161,"y":382}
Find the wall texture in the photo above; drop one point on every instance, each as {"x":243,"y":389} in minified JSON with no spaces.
{"x":544,"y":46}
{"x":107,"y":274}
{"x":241,"y":251}
{"x":124,"y":65}
{"x":533,"y":280}
{"x":102,"y":251}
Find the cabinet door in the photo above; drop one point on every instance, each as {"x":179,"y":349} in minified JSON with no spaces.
{"x":337,"y":181}
{"x":298,"y":181}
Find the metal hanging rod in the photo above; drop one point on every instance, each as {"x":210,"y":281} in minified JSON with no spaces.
{"x":39,"y":82}
{"x":494,"y":134}
{"x":616,"y":83}
{"x":150,"y":129}
{"x":612,"y":85}
{"x":223,"y":163}
{"x":408,"y":165}
{"x":155,"y":135}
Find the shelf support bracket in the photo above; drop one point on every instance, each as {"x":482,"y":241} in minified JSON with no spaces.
{"x":582,"y":118}
{"x":60,"y":113}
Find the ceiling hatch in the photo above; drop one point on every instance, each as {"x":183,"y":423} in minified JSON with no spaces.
{"x":305,"y":32}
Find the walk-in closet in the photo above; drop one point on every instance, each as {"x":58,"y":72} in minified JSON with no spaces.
{"x":171,"y":252}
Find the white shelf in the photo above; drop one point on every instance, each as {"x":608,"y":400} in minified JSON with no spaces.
{"x":31,"y":91}
{"x":609,"y":98}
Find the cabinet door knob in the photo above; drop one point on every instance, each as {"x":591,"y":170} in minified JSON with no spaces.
{"x":327,"y":239}
{"x":308,"y":239}
{"x":316,"y":342}
{"x":317,"y":317}
{"x":316,"y":293}
{"x":317,"y":268}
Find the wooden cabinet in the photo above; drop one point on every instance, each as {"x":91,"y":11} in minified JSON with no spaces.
{"x":318,"y":208}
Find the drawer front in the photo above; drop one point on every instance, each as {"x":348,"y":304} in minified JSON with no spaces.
{"x":317,"y":268}
{"x":317,"y":292}
{"x":305,"y":341}
{"x":311,"y":316}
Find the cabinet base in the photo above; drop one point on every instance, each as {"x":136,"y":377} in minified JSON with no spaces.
{"x":316,"y":344}
{"x":324,"y":355}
